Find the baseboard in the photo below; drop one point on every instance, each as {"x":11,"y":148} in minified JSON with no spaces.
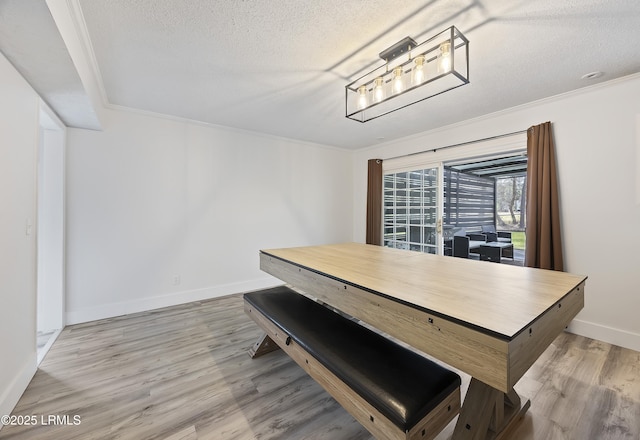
{"x":143,"y":304}
{"x":44,"y":350}
{"x":13,"y":392}
{"x":603,"y":333}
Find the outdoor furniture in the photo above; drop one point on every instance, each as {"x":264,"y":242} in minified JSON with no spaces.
{"x":460,"y":246}
{"x":490,"y":253}
{"x":502,"y":236}
{"x":464,"y":246}
{"x":504,"y":249}
{"x":482,"y":241}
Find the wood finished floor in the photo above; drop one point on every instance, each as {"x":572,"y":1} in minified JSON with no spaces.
{"x":183,"y":373}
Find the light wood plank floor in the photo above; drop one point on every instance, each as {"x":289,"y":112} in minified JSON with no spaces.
{"x":183,"y":373}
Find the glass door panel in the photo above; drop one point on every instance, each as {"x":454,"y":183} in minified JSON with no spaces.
{"x":412,"y":210}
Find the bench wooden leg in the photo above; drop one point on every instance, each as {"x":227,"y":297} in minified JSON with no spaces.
{"x":263,"y":345}
{"x":488,"y":414}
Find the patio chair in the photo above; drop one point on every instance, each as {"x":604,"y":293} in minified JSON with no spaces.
{"x":501,"y":236}
{"x":461,"y":246}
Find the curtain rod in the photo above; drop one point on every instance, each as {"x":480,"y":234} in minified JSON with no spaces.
{"x":433,"y":150}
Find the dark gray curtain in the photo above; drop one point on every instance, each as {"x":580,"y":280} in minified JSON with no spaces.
{"x":543,"y":237}
{"x":374,"y":202}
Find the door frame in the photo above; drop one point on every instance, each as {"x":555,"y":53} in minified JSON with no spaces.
{"x":50,"y":227}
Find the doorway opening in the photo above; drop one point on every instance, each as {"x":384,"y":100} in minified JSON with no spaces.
{"x":487,"y":196}
{"x":50,"y":231}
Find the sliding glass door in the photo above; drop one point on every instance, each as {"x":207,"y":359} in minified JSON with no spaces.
{"x":413,"y":209}
{"x":424,"y":205}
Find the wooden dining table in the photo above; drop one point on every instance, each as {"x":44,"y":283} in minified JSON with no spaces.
{"x":491,"y":321}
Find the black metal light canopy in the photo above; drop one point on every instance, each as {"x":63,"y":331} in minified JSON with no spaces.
{"x":412,"y":73}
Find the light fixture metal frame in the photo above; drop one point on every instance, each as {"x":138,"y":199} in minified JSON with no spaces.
{"x":403,"y":54}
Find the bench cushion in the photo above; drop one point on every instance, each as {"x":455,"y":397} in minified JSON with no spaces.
{"x":398,"y":382}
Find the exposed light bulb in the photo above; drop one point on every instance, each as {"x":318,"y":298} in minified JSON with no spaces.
{"x":444,"y":64}
{"x":362,"y":97}
{"x":398,"y":85}
{"x":418,"y":70}
{"x":378,"y":89}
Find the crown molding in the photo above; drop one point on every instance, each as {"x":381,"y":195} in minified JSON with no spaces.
{"x":507,"y":111}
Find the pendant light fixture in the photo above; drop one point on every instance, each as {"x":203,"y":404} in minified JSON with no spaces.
{"x":412,"y":73}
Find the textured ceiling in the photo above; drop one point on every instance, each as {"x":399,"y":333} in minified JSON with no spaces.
{"x":30,"y":41}
{"x":280,"y":66}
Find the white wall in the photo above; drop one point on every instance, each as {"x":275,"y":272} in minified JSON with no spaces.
{"x":597,"y":136}
{"x":161,"y":212}
{"x":18,"y":145}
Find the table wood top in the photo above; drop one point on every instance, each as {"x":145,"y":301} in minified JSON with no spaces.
{"x":494,"y":298}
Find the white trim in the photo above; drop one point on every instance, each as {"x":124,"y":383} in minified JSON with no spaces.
{"x":67,"y":15}
{"x":504,"y":112}
{"x":82,"y":32}
{"x":16,"y":388}
{"x":183,"y":120}
{"x":603,"y":333}
{"x":172,"y":299}
{"x":49,"y":120}
{"x":638,"y":159}
{"x":44,"y":350}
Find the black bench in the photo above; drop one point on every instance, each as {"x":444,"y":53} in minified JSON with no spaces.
{"x":393,"y":391}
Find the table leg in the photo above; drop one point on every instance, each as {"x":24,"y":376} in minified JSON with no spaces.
{"x":263,"y":345}
{"x":488,"y":414}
